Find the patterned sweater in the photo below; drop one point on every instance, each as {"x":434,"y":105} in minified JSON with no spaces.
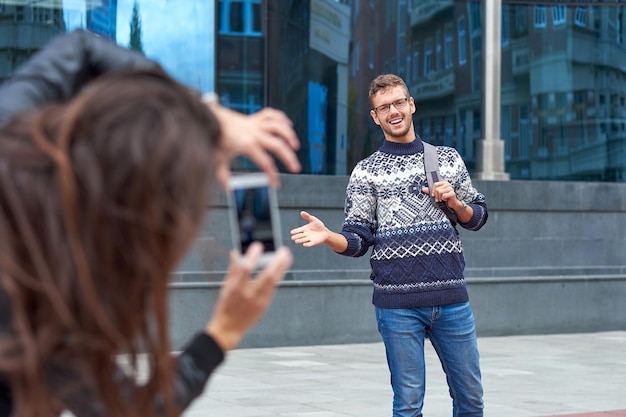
{"x":417,"y":257}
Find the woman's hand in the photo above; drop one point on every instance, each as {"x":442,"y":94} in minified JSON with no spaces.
{"x":242,"y":300}
{"x":257,"y":136}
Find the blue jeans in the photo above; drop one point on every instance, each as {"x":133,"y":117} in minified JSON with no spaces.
{"x":452,"y":333}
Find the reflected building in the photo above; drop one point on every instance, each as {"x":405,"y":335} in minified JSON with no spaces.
{"x":563,"y":90}
{"x":307,"y":75}
{"x":563,"y":81}
{"x":24,"y":30}
{"x":291,"y":55}
{"x":102,"y":19}
{"x":241,"y":60}
{"x":446,"y":73}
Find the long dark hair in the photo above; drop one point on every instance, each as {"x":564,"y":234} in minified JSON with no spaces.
{"x":99,"y":199}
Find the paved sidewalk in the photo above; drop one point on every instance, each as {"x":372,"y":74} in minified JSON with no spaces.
{"x":574,"y":375}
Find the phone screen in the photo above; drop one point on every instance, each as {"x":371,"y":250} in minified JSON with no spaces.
{"x":254,"y":217}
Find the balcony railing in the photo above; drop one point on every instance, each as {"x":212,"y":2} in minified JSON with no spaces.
{"x":520,"y":56}
{"x":427,"y":9}
{"x":26,"y":36}
{"x":434,"y":85}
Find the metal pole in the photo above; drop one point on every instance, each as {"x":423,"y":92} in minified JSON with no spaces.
{"x":490,"y":150}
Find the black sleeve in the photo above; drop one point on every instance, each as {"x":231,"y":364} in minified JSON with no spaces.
{"x":62,"y":68}
{"x":194,"y":366}
{"x":196,"y":363}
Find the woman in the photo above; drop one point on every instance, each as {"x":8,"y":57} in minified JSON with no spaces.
{"x":102,"y":190}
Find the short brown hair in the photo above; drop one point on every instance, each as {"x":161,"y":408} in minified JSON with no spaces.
{"x":383,"y":82}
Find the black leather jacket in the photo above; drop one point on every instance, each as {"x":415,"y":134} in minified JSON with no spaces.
{"x":55,"y":74}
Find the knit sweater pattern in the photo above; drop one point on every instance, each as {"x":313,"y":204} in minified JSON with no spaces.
{"x":417,"y":257}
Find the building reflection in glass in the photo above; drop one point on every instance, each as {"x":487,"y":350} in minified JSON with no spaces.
{"x":563,"y":80}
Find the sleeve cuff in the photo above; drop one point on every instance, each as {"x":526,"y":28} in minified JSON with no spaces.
{"x":354,"y":245}
{"x":205,"y":352}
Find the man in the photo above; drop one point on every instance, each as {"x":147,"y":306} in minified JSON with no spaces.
{"x":417,"y":257}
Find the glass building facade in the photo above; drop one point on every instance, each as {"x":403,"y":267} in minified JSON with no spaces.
{"x":563,"y":69}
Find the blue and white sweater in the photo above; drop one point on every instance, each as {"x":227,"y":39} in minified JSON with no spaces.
{"x":417,"y":257}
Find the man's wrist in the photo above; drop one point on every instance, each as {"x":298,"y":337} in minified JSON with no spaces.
{"x":462,"y":209}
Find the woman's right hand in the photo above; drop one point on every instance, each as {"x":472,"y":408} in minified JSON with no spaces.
{"x":258,"y":136}
{"x":243,"y":300}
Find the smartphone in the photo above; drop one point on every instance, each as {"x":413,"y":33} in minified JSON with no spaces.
{"x":254,"y":217}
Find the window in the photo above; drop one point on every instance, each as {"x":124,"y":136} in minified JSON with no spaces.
{"x":426,"y":129}
{"x":19,"y":13}
{"x":240,"y":17}
{"x":401,"y":48}
{"x":416,"y":61}
{"x":558,"y":15}
{"x":355,"y":59}
{"x":438,"y":53}
{"x":475,"y":20}
{"x":371,"y":53}
{"x":409,"y":69}
{"x":521,"y":20}
{"x":448,"y":46}
{"x":477,"y":72}
{"x":506,"y":26}
{"x":476,"y":122}
{"x":428,"y":57}
{"x":462,"y":41}
{"x":448,"y":138}
{"x":505,"y":130}
{"x":476,"y":33}
{"x":437,"y":121}
{"x":562,"y":143}
{"x":460,"y":141}
{"x":615,"y":26}
{"x":355,"y":11}
{"x":580,"y":107}
{"x":390,"y":11}
{"x":581,"y":16}
{"x":598,"y":22}
{"x":524,"y":132}
{"x":235,"y":20}
{"x":540,"y":16}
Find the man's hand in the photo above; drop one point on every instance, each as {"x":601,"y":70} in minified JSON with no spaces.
{"x":312,"y":234}
{"x":443,"y":191}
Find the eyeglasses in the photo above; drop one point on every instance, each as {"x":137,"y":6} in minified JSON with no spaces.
{"x":398,"y":104}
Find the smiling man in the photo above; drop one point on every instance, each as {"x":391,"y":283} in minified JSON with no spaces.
{"x":417,"y":257}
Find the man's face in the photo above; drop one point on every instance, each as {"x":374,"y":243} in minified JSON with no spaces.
{"x":392,"y":111}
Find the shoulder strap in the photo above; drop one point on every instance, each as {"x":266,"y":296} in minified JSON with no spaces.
{"x":431,"y":166}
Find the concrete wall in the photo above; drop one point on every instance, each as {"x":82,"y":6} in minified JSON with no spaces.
{"x":551,"y":259}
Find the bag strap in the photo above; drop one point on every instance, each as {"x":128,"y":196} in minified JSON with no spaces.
{"x":431,"y":166}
